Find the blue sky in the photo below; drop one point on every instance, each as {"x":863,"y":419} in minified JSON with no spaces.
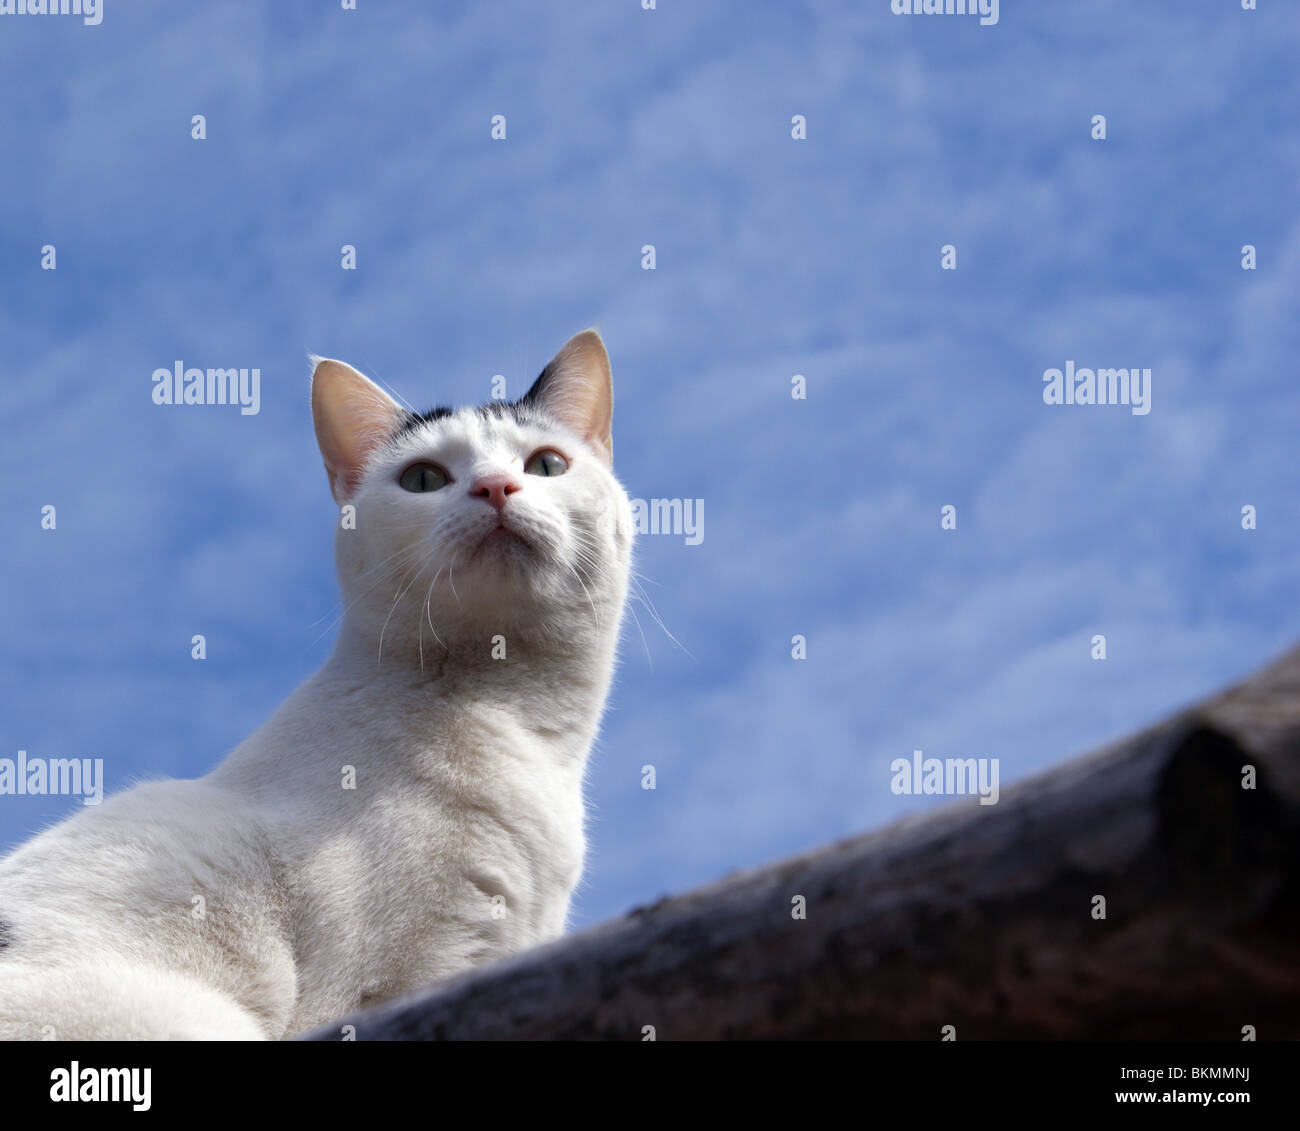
{"x":775,"y":257}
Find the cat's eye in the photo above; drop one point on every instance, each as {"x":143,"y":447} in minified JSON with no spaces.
{"x":420,"y":477}
{"x":546,"y":462}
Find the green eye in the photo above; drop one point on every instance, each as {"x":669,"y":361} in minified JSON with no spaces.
{"x":546,"y":462}
{"x":421,"y":477}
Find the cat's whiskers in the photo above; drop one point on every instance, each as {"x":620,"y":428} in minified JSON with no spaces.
{"x":396,"y":601}
{"x":428,"y":597}
{"x":393,"y":392}
{"x":451,"y":580}
{"x":594,"y":611}
{"x":644,"y":643}
{"x":585,"y":551}
{"x":638,"y":591}
{"x":343,"y":612}
{"x":361,"y":576}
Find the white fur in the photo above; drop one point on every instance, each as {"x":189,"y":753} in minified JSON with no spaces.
{"x":318,"y":899}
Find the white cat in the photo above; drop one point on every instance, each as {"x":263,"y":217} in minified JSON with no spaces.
{"x":415,"y":808}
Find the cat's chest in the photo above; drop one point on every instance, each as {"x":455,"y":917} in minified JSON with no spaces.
{"x":461,"y":857}
{"x":498,"y":822}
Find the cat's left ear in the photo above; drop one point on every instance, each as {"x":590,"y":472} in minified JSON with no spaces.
{"x":353,"y":416}
{"x":577,"y":390}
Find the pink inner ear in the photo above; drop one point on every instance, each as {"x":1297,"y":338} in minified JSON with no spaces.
{"x":580,"y":392}
{"x":353,"y":416}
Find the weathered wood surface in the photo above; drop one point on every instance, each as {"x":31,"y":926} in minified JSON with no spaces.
{"x":975,"y":917}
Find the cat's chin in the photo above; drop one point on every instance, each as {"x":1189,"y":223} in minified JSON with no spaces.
{"x":502,"y":545}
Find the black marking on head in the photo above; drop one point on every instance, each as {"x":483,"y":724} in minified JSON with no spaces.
{"x":532,"y":398}
{"x":498,"y":410}
{"x":526,"y":410}
{"x":6,"y":934}
{"x":412,"y":420}
{"x":529,"y":409}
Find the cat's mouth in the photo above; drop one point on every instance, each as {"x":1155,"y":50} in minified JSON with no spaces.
{"x":500,"y":540}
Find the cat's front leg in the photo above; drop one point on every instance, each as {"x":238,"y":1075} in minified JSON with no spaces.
{"x":117,"y":1000}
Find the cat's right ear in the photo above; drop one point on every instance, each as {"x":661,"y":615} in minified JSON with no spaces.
{"x":353,"y":416}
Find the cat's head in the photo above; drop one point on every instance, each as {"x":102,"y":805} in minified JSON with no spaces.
{"x":465,"y":523}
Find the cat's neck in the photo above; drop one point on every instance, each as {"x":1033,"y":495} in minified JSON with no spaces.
{"x":403,"y":706}
{"x":472,"y":658}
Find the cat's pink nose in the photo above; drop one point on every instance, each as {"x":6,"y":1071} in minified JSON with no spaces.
{"x":495,"y":489}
